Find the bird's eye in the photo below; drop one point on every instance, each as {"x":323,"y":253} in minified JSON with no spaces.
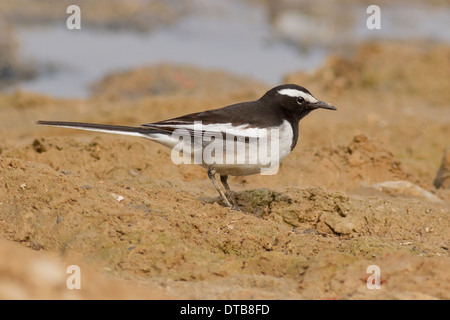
{"x":300,"y":100}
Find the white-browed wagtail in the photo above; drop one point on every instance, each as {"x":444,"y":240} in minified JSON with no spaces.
{"x":231,"y":140}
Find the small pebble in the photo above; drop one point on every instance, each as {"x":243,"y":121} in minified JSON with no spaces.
{"x":119,"y":198}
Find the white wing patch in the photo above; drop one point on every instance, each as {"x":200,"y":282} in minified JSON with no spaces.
{"x":241,"y":130}
{"x":297,"y":93}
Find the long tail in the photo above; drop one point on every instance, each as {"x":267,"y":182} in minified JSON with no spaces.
{"x":122,"y":130}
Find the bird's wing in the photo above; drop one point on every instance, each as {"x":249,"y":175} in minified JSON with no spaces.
{"x":236,"y":120}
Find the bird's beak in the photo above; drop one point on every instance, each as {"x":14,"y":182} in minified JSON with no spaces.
{"x":323,"y":105}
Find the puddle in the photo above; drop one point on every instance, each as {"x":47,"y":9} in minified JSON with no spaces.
{"x":232,"y":36}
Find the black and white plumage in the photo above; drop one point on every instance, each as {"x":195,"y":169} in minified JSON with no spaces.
{"x":278,"y":110}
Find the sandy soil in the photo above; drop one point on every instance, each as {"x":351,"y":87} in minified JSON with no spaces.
{"x":310,"y":231}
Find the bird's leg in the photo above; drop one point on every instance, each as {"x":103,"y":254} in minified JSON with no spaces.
{"x":212,"y":177}
{"x":224,"y":180}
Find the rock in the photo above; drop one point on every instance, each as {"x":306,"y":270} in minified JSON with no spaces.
{"x":339,"y":225}
{"x":405,"y":188}
{"x":118,"y":197}
{"x":442,"y":179}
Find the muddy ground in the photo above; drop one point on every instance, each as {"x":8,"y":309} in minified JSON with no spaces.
{"x":141,"y":227}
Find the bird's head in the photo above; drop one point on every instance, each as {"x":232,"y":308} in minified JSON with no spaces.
{"x":295,"y":99}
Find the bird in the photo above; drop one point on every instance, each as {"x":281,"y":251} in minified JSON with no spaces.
{"x":227,"y":141}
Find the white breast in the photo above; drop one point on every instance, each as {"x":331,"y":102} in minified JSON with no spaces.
{"x":286,"y":137}
{"x":278,"y":138}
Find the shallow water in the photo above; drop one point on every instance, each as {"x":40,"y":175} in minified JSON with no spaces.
{"x":229,"y":35}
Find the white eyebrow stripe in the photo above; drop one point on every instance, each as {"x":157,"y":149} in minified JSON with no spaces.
{"x":297,"y":93}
